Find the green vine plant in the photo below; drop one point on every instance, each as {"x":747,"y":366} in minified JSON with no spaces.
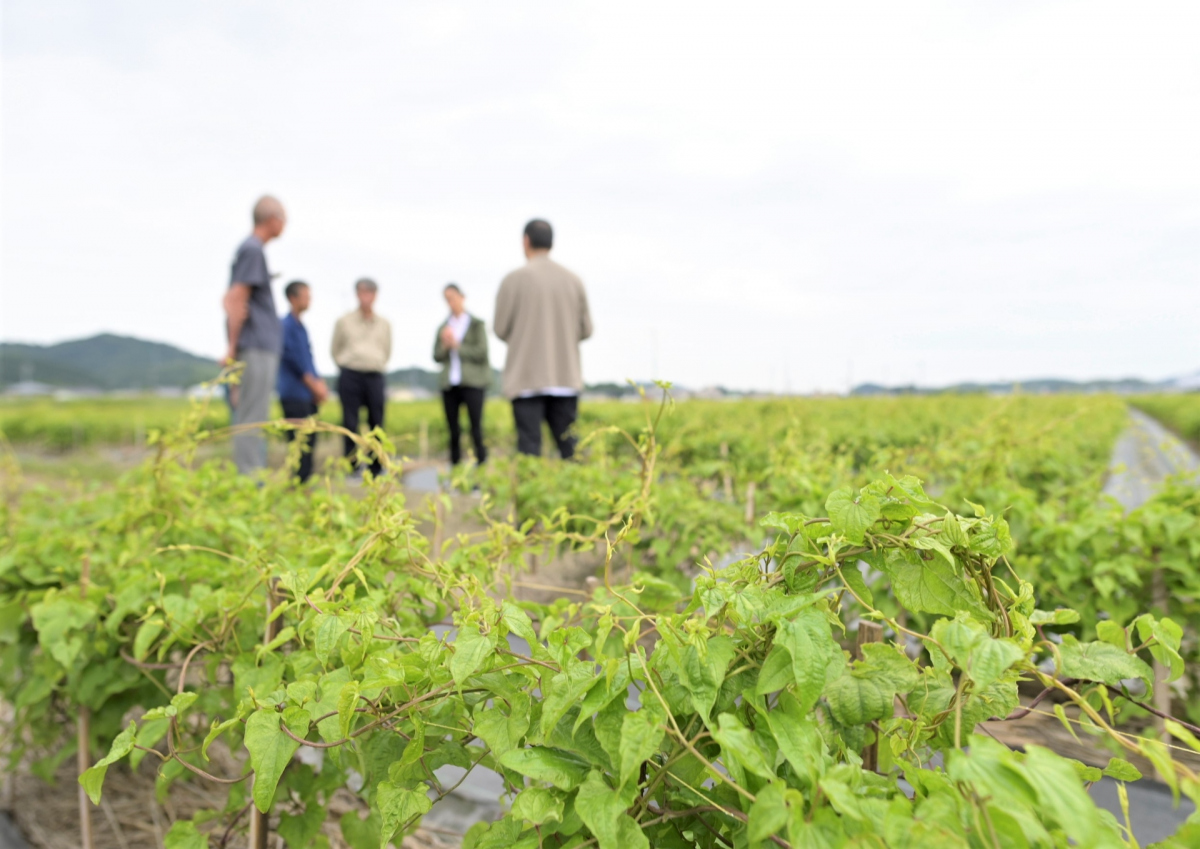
{"x":215,"y":612}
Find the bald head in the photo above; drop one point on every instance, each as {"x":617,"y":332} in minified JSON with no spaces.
{"x":269,"y":218}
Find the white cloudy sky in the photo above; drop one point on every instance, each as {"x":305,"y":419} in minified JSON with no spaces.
{"x":777,"y":195}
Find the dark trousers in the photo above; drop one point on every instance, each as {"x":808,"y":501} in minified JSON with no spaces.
{"x":453,"y":399}
{"x":297,"y":409}
{"x":558,"y":412}
{"x":358,"y":389}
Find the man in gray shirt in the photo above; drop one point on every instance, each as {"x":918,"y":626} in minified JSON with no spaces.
{"x":255,"y":333}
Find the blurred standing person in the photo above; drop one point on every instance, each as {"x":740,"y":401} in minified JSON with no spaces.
{"x":461,"y":348}
{"x":542,"y":313}
{"x":255,"y":333}
{"x":362,"y":346}
{"x":301,"y":390}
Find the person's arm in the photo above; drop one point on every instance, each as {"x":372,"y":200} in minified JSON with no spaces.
{"x":308,"y":369}
{"x":317,"y":387}
{"x":387,"y":344}
{"x":502,"y":321}
{"x":441,"y":354}
{"x":339,"y":341}
{"x":237,"y":309}
{"x":474,"y":344}
{"x":585,"y":316}
{"x":292,"y":358}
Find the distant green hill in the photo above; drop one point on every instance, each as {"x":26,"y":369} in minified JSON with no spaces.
{"x":105,"y":362}
{"x":109,"y":362}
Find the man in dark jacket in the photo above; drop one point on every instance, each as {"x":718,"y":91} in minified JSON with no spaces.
{"x":461,"y":348}
{"x":301,"y":391}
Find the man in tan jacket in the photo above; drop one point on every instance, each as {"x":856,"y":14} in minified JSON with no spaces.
{"x":362,"y":346}
{"x":542,"y":313}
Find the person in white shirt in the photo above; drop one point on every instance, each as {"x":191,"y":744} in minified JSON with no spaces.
{"x":461,"y":347}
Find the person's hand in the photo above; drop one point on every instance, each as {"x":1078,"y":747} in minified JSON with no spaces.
{"x":230,"y":358}
{"x":448,"y":338}
{"x":320,"y":393}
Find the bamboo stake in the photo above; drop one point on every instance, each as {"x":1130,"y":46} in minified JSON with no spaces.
{"x":83,"y":754}
{"x":869,"y":632}
{"x":750,"y":511}
{"x":259,"y":826}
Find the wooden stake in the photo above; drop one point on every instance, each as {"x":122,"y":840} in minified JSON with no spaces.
{"x":750,"y":511}
{"x":869,"y":632}
{"x":83,"y":730}
{"x":259,"y":826}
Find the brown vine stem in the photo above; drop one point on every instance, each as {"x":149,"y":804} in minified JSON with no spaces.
{"x":1161,"y":715}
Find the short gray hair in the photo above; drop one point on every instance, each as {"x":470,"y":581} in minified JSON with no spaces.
{"x":266,"y":208}
{"x":366,"y":283}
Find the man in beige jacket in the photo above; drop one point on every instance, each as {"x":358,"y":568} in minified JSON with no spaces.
{"x":542,"y":313}
{"x":362,"y":346}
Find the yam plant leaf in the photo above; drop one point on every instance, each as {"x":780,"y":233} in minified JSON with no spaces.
{"x":542,"y":763}
{"x":888,"y":666}
{"x":502,"y":732}
{"x":983,"y":657}
{"x":1122,"y":770}
{"x":360,"y":833}
{"x":147,"y":633}
{"x":471,"y":648}
{"x":217,"y":729}
{"x":851,"y":515}
{"x":59,"y":618}
{"x":347,"y":701}
{"x":1063,"y":799}
{"x":271,"y":750}
{"x":641,"y":737}
{"x":1100,"y":661}
{"x":398,"y":808}
{"x":932,"y":586}
{"x":538,"y":805}
{"x":808,"y":638}
{"x":1167,"y":637}
{"x":92,"y":778}
{"x":776,"y":671}
{"x":184,"y":835}
{"x":738,"y":746}
{"x":330,"y":627}
{"x":797,"y":736}
{"x":769,"y":813}
{"x":857,"y":701}
{"x":602,"y":810}
{"x":703,"y":675}
{"x":562,"y":691}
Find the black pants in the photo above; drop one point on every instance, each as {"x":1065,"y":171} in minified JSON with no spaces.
{"x":558,"y":412}
{"x":358,"y":389}
{"x":453,"y":399}
{"x":297,"y":409}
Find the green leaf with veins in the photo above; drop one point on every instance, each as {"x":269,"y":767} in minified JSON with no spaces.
{"x":1099,"y":661}
{"x":851,"y":515}
{"x":271,"y":749}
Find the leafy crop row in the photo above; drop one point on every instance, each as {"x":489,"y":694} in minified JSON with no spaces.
{"x":189,"y":609}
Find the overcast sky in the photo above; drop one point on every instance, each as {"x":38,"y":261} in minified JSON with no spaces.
{"x":774,"y":195}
